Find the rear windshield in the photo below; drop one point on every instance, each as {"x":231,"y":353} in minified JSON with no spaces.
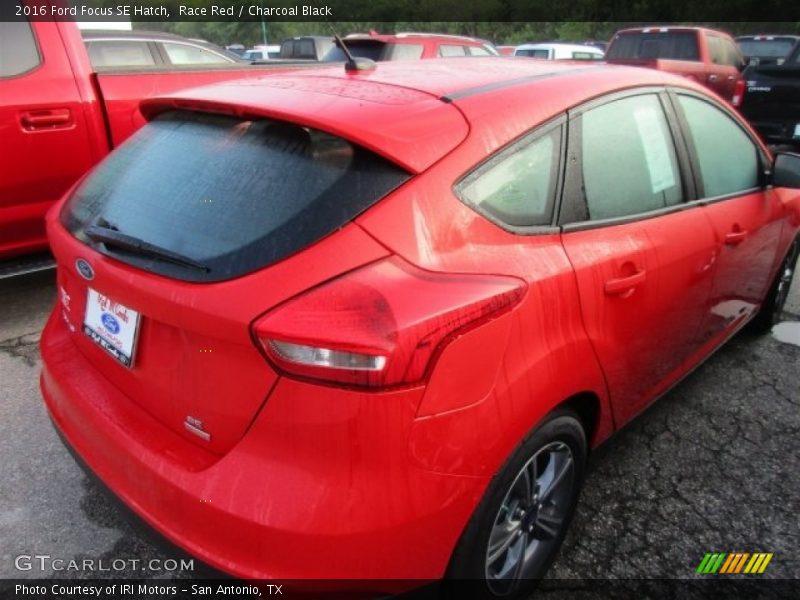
{"x":535,"y":53}
{"x":674,"y":45}
{"x":767,"y":48}
{"x":372,"y":49}
{"x":223,"y":195}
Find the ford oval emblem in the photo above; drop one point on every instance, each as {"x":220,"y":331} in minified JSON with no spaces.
{"x":85,"y":269}
{"x":110,"y":323}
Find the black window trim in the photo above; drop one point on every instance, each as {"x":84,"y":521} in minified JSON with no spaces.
{"x":764,"y":167}
{"x":38,"y":66}
{"x":574,"y":212}
{"x":538,"y":131}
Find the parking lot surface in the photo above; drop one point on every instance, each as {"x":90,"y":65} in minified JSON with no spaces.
{"x":712,"y":467}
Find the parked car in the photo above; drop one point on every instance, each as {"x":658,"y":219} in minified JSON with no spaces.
{"x":772,"y":99}
{"x":704,"y":55}
{"x":767,"y":49}
{"x":263,"y":53}
{"x":307,"y":47}
{"x":366,"y":325}
{"x":505,"y":50}
{"x":115,"y":49}
{"x":558,"y":51}
{"x":408,"y":46}
{"x":237,"y":49}
{"x":60,"y":115}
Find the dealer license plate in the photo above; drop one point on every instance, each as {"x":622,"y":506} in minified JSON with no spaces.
{"x":112,"y":326}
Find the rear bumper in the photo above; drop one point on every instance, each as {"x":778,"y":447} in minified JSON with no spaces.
{"x":318,"y":488}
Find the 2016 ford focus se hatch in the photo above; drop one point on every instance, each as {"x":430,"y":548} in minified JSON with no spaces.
{"x":368,"y":324}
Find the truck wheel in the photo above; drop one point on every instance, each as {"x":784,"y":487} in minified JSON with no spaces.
{"x":517,"y":529}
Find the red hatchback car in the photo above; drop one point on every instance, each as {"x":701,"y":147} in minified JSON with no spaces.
{"x":368,"y":325}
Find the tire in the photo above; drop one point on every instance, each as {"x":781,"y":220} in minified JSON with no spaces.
{"x":771,"y":309}
{"x":519,"y":516}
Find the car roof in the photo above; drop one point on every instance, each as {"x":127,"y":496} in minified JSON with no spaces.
{"x":669,"y":28}
{"x":134,"y":33}
{"x":410,"y":37}
{"x":439,"y":100}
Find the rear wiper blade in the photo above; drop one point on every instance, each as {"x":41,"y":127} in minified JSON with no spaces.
{"x":114,"y":238}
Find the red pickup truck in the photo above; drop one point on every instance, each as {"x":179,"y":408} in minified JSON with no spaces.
{"x":709,"y":57}
{"x":59,"y":117}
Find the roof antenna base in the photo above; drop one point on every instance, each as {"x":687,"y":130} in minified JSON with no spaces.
{"x":360,"y":64}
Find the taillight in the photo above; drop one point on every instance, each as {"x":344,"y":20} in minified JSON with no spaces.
{"x":738,"y":93}
{"x":380,"y":325}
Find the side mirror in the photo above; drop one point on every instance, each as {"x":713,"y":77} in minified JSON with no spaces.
{"x":786,"y":170}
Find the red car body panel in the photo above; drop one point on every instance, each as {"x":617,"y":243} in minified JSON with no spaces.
{"x":294,"y":464}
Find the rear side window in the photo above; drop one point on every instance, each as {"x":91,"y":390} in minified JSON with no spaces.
{"x":775,"y":48}
{"x":537,"y":53}
{"x":729,"y":160}
{"x":629,"y":161}
{"x":677,"y":45}
{"x":228,"y":196}
{"x":452,"y":50}
{"x":120,"y":54}
{"x":716,"y":50}
{"x":478,"y":51}
{"x":405,"y":52}
{"x":18,"y":51}
{"x":184,"y":54}
{"x":517,"y":187}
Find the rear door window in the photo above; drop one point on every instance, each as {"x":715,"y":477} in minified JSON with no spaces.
{"x":716,"y":50}
{"x":185,"y":54}
{"x":227,"y":196}
{"x":119,"y":53}
{"x":629,"y":161}
{"x":18,"y":51}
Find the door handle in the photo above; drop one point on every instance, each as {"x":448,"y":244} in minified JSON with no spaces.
{"x":712,"y":77}
{"x":50,"y":118}
{"x":734,"y":238}
{"x":620,"y":285}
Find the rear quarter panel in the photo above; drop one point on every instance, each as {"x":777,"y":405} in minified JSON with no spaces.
{"x":503,"y":378}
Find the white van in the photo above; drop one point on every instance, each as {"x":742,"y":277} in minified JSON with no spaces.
{"x":557,"y":51}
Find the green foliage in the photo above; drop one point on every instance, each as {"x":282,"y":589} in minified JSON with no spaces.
{"x":250,"y":33}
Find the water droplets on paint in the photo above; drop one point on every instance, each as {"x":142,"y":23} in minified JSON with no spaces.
{"x":787,"y":332}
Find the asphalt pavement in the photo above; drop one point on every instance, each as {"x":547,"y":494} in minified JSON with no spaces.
{"x":712,"y":467}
